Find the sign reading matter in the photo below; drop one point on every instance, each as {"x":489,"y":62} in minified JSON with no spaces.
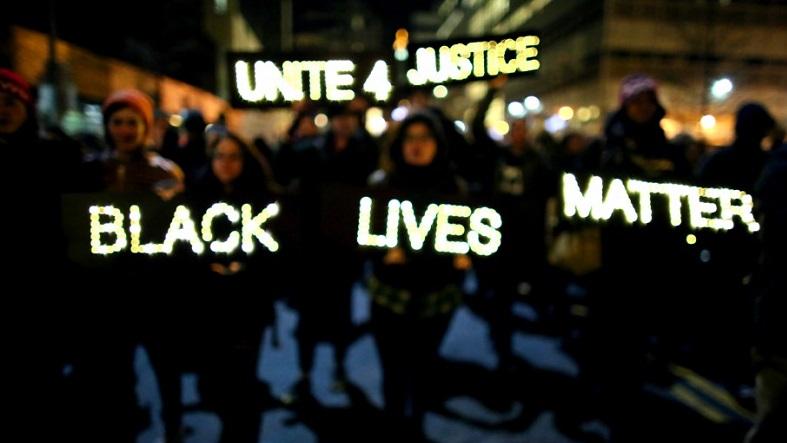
{"x":473,"y":59}
{"x":279,"y":81}
{"x":708,"y":208}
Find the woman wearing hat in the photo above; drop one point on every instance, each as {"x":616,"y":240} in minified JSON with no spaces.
{"x":128,"y":119}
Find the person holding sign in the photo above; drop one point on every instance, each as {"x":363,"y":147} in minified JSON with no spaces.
{"x":233,"y":298}
{"x":144,"y":289}
{"x":39,"y":333}
{"x":636,"y":318}
{"x":414,"y":291}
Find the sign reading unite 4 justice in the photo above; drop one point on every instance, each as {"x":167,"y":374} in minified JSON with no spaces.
{"x":262,"y":80}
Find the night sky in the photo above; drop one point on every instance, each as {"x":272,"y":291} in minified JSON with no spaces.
{"x":166,"y":36}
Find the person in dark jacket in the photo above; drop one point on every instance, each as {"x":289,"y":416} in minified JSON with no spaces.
{"x":317,"y":168}
{"x":636,"y":314}
{"x":733,"y":256}
{"x":770,"y":349}
{"x":190,"y":153}
{"x":518,"y":179}
{"x":132,"y":169}
{"x":39,"y":341}
{"x":234,"y":304}
{"x":414,"y":292}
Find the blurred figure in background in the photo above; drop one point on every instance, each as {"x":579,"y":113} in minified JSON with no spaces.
{"x":732,"y":256}
{"x":770,"y":348}
{"x":637,"y":315}
{"x":315,"y":167}
{"x":191,"y":151}
{"x":36,"y":321}
{"x":518,"y":180}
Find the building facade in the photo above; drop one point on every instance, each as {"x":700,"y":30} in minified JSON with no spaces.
{"x":588,"y":46}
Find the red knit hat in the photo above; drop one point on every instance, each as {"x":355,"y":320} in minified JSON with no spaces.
{"x":634,"y":84}
{"x":13,"y":83}
{"x":129,"y":98}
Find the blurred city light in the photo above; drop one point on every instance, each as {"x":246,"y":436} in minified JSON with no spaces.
{"x":375,"y":122}
{"x":533,"y":104}
{"x":501,"y":127}
{"x":399,"y":113}
{"x":440,"y":91}
{"x":583,"y":114}
{"x":516,"y":109}
{"x":721,"y":88}
{"x":555,"y":124}
{"x":321,"y":120}
{"x":175,"y":120}
{"x":708,"y":122}
{"x":566,"y":113}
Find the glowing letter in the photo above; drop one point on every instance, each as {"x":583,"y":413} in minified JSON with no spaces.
{"x":232,"y":242}
{"x":378,"y":82}
{"x":182,"y":228}
{"x":618,"y":199}
{"x":252,"y":227}
{"x":478,"y":229}
{"x":576,"y":203}
{"x":446,"y":228}
{"x":113,"y":227}
{"x":135,"y":229}
{"x":339,"y":73}
{"x":415,"y":232}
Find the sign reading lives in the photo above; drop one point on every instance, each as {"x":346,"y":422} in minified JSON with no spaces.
{"x":260,"y":80}
{"x":481,"y":58}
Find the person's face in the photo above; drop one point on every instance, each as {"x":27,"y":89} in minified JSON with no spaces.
{"x":641,"y":107}
{"x":419,"y":147}
{"x":13,"y":113}
{"x":126,"y":130}
{"x":519,"y":133}
{"x":344,"y":125}
{"x":575,"y":145}
{"x":306,"y":127}
{"x":227,"y":161}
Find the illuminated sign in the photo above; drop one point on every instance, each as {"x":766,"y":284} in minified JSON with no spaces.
{"x":708,"y":208}
{"x":482,"y":238}
{"x":262,"y":81}
{"x":108,"y":235}
{"x":477,"y":59}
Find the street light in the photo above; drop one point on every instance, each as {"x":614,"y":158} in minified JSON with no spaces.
{"x":708,"y":122}
{"x":532,"y":103}
{"x":516,"y":109}
{"x":721,"y":88}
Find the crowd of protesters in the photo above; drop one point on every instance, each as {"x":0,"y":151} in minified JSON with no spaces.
{"x":651,"y":300}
